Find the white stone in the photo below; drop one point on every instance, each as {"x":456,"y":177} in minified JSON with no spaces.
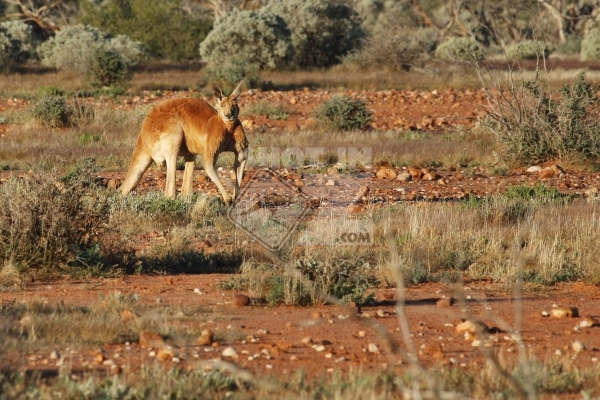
{"x":229,"y":352}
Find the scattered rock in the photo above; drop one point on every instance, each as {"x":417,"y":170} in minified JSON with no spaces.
{"x":150,"y":339}
{"x":54,"y":355}
{"x":229,"y":352}
{"x":430,"y":175}
{"x":317,"y":315}
{"x":445,"y":302}
{"x":165,"y":353}
{"x":578,"y":346}
{"x":564,"y":312}
{"x":534,"y":168}
{"x":332,"y":182}
{"x":262,"y":332}
{"x":307,"y":341}
{"x":372,"y":348}
{"x":240,"y":300}
{"x":551,"y":171}
{"x":589,"y":322}
{"x":386,"y":173}
{"x":473,"y":327}
{"x":415,"y":173}
{"x":404,"y":177}
{"x":206,"y":338}
{"x":362,"y":333}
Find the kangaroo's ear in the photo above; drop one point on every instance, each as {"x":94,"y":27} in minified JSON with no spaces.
{"x":217,"y":92}
{"x":236,"y":92}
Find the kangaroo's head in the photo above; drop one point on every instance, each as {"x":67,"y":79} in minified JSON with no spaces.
{"x":227,"y":106}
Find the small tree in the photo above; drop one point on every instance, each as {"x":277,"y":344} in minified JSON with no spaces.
{"x":528,"y":50}
{"x":162,"y":26}
{"x":459,"y":49}
{"x":74,"y":48}
{"x":590,"y":45}
{"x":258,"y":38}
{"x":22,"y":32}
{"x":321,"y":31}
{"x":11,"y":52}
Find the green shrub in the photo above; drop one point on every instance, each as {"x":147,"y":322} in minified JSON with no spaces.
{"x":343,"y":113}
{"x":54,"y":111}
{"x":258,"y":39}
{"x":528,"y":50}
{"x":164,"y":27}
{"x":379,"y":15}
{"x":74,"y":48}
{"x":154,"y":205}
{"x":321,"y":31}
{"x":49,"y":222}
{"x":590,"y":45}
{"x":459,"y":49}
{"x":232,"y":72}
{"x":107,"y":68}
{"x":310,"y":282}
{"x":537,"y":125}
{"x":85,"y":138}
{"x":11,"y":52}
{"x":396,"y":48}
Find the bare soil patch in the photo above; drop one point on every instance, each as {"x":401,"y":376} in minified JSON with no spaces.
{"x":269,"y":340}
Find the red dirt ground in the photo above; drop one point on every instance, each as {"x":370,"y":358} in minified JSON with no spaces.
{"x":281,"y":351}
{"x":433,"y":328}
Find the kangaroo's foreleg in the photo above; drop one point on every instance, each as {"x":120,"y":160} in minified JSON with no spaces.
{"x":209,"y":168}
{"x":239,"y":164}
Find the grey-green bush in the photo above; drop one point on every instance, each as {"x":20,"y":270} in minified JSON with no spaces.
{"x":321,"y":31}
{"x":343,"y":113}
{"x":232,"y":72}
{"x":528,"y":50}
{"x":47,"y":221}
{"x":11,"y":53}
{"x":397,"y":48}
{"x":259,"y":39}
{"x":166,"y":27}
{"x":74,"y":48}
{"x":459,"y":49}
{"x":379,"y":15}
{"x":543,"y":125}
{"x":590,"y":45}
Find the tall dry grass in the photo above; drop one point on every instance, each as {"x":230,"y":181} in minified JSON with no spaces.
{"x":556,"y":243}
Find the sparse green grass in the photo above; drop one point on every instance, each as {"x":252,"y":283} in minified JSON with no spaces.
{"x":272,"y":111}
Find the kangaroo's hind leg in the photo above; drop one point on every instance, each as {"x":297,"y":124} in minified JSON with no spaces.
{"x":139,"y":164}
{"x":188,"y":174}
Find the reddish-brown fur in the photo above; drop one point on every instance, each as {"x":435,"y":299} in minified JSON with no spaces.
{"x":186,"y":127}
